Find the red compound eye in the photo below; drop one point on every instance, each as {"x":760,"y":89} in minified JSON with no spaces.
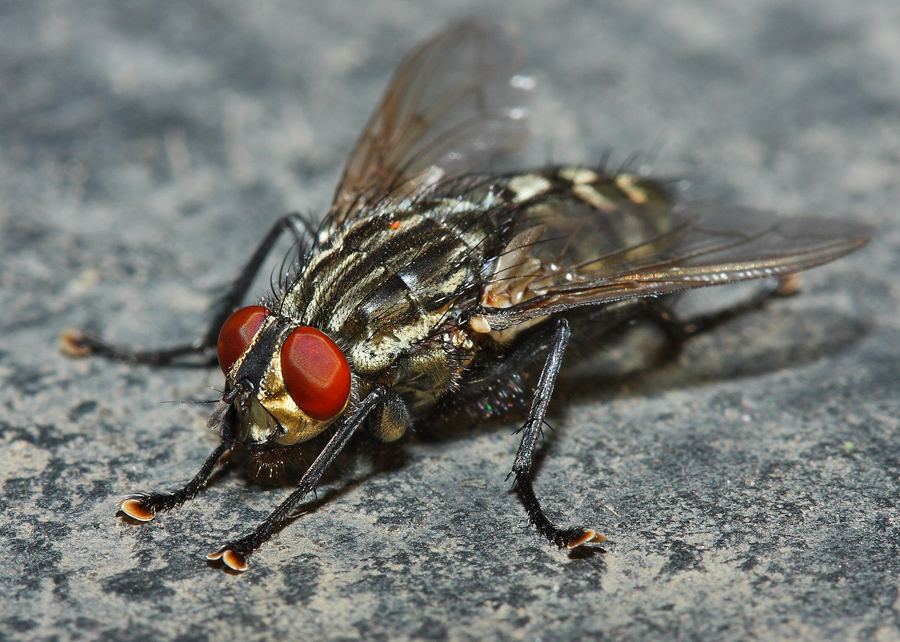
{"x":316,"y":373}
{"x":237,"y":333}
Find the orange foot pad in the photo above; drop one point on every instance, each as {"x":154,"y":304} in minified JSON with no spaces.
{"x":136,"y":510}
{"x":234,"y":561}
{"x":72,"y":343}
{"x":588,"y":536}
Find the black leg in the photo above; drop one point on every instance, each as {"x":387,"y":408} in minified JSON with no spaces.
{"x":77,"y":343}
{"x":144,"y":506}
{"x":680,"y":330}
{"x":531,"y":432}
{"x":303,"y":233}
{"x":234,"y":554}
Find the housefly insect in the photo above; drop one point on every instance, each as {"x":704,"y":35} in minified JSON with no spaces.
{"x":431,"y":286}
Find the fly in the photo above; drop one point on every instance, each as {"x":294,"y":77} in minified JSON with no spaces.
{"x":431,"y":286}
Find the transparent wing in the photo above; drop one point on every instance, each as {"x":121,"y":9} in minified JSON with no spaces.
{"x":454,"y":103}
{"x":567,"y":253}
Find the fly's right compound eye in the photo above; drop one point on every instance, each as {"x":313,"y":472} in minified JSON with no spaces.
{"x":237,"y":333}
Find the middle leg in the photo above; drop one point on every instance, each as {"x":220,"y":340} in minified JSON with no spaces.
{"x":556,"y":340}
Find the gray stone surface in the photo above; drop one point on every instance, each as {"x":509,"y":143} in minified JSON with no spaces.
{"x":749,"y":489}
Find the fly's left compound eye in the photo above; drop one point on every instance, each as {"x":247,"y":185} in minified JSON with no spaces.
{"x":316,"y":373}
{"x":237,"y":333}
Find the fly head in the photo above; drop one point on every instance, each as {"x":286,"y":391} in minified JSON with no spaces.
{"x":284,"y":383}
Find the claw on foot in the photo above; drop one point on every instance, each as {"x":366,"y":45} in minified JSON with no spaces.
{"x":73,"y":343}
{"x":589,"y":536}
{"x":788,"y":284}
{"x":233,"y":560}
{"x":135,"y":509}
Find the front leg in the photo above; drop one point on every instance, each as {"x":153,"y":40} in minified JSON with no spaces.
{"x":531,"y":432}
{"x":144,"y":506}
{"x":77,"y":343}
{"x":234,"y":554}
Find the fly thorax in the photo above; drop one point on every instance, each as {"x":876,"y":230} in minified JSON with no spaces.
{"x":389,"y":281}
